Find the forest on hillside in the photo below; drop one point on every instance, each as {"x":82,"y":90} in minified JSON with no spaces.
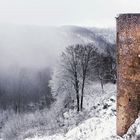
{"x":34,"y":92}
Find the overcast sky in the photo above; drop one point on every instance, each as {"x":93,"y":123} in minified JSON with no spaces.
{"x":100,"y":13}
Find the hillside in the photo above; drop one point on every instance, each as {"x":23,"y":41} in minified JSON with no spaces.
{"x":97,"y":122}
{"x":99,"y":118}
{"x":24,"y":52}
{"x":38,"y":47}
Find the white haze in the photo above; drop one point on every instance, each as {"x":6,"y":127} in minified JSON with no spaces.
{"x":27,"y":46}
{"x":30,"y":46}
{"x":39,"y":46}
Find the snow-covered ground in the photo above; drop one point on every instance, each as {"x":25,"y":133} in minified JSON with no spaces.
{"x":100,"y":123}
{"x":96,"y":122}
{"x":99,"y":127}
{"x":99,"y":117}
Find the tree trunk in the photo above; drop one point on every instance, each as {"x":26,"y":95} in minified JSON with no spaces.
{"x":82,"y":93}
{"x":102,"y":85}
{"x":77,"y":92}
{"x":77,"y":97}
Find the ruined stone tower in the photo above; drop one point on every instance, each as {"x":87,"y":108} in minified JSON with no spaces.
{"x":128,"y":70}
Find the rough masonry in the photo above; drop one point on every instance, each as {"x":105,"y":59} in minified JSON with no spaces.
{"x":128,"y":70}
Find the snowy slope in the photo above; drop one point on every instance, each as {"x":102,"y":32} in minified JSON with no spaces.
{"x":99,"y":115}
{"x":96,"y":122}
{"x":100,"y":123}
{"x":108,"y":34}
{"x":99,"y":127}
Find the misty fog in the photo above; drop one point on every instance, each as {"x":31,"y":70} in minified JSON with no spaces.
{"x":29,"y":46}
{"x":34,"y":76}
{"x":29,"y":54}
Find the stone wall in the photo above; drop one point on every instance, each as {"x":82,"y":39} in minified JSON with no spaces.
{"x":128,"y":70}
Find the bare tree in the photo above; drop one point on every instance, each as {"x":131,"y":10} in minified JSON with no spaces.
{"x":106,"y":67}
{"x":77,"y":61}
{"x":71,"y":67}
{"x":87,"y":55}
{"x":100,"y":70}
